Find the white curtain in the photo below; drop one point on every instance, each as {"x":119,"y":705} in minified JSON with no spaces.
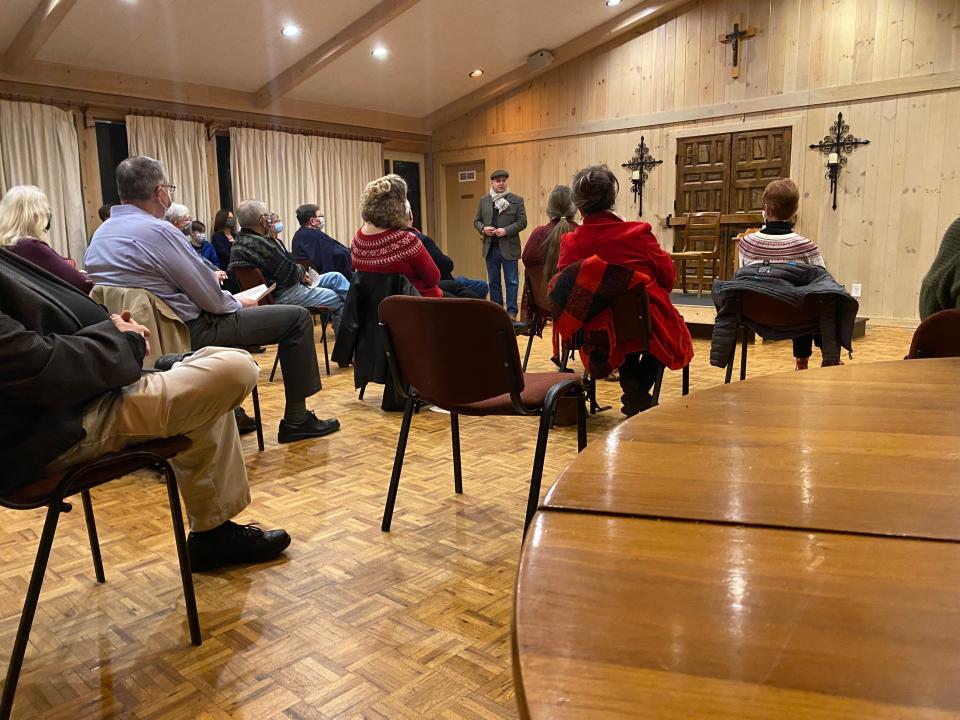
{"x":287,"y":170}
{"x":182,"y":147}
{"x":38,"y":146}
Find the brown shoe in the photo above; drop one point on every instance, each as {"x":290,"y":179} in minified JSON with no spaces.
{"x":803,"y":363}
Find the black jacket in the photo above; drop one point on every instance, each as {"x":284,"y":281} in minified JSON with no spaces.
{"x":358,"y":338}
{"x":791,"y":283}
{"x":52,"y":364}
{"x":324,"y":253}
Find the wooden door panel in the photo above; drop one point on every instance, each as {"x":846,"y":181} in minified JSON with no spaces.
{"x":757,"y":157}
{"x":702,"y":178}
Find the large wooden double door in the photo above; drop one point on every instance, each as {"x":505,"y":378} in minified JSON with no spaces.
{"x":727,"y":174}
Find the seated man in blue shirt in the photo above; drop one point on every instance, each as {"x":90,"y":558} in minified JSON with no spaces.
{"x":136,"y":248}
{"x":310,"y":243}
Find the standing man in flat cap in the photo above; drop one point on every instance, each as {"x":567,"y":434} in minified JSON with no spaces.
{"x":500,"y":218}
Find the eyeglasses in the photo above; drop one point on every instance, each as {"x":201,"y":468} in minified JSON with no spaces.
{"x":171,"y":189}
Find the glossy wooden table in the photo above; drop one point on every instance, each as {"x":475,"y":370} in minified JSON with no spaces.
{"x":620,"y":617}
{"x":868,"y":448}
{"x":787,"y":547}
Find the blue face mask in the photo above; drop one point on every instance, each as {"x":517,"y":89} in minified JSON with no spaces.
{"x":278,"y":228}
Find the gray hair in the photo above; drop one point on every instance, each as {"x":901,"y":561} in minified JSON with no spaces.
{"x":176,"y":214}
{"x":138,"y":177}
{"x":250,"y":212}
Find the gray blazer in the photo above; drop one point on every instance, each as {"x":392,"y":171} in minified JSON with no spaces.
{"x":513,"y":220}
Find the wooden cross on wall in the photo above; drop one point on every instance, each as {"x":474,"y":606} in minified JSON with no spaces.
{"x":733,"y":39}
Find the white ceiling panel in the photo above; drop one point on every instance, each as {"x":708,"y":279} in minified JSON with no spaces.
{"x":227,"y":43}
{"x":436,"y":44}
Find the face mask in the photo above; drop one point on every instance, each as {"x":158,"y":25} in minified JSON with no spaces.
{"x":232,"y":225}
{"x":278,"y":228}
{"x":322,"y":222}
{"x":201,"y":237}
{"x":186,"y":228}
{"x":47,"y":228}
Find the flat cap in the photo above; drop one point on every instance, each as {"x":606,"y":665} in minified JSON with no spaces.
{"x":499,"y":173}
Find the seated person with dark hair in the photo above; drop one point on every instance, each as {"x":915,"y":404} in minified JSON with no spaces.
{"x":310,"y":243}
{"x":198,"y":239}
{"x":136,"y":249}
{"x":451,"y":286}
{"x":71,"y":390}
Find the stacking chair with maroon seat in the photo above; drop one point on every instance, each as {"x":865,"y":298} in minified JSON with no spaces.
{"x":461,"y":355}
{"x":763,"y":310}
{"x":539,"y":303}
{"x":53,"y":490}
{"x":937,"y":337}
{"x":251,"y":277}
{"x":631,"y":321}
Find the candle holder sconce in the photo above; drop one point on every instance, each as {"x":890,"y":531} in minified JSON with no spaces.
{"x":836,"y":146}
{"x":640,"y":166}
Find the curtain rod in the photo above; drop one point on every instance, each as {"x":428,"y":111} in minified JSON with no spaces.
{"x":212,"y":125}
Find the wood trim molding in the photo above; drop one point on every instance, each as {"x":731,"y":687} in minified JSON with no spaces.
{"x":41,"y":24}
{"x":357,"y":31}
{"x":636,"y":20}
{"x":876,"y":90}
{"x":120,"y":89}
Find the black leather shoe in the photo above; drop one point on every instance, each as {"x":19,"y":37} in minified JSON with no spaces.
{"x":165,"y":362}
{"x":232,"y":544}
{"x":309,"y":428}
{"x":245,"y":423}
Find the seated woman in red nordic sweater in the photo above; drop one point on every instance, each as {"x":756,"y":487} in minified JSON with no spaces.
{"x":631,"y":244}
{"x":384,"y":245}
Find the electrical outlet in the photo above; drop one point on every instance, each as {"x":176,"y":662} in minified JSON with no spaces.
{"x":856,"y":289}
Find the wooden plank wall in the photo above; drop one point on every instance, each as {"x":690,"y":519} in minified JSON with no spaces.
{"x":891,"y":67}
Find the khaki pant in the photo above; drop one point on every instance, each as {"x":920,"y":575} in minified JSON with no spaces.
{"x":196,"y":398}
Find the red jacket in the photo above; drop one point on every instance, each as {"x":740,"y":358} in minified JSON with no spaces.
{"x":633,"y":245}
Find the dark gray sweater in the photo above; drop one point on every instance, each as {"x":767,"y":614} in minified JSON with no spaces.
{"x":940,"y":289}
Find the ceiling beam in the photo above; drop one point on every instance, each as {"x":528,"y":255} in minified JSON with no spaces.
{"x":355,"y":33}
{"x":636,"y":20}
{"x":41,"y":24}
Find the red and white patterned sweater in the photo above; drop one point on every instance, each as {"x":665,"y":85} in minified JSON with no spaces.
{"x":397,"y":251}
{"x":777,"y":243}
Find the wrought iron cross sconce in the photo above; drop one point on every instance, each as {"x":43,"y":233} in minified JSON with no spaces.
{"x":835,"y":146}
{"x":641,"y":165}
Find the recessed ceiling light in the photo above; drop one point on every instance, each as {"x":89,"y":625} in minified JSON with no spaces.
{"x":290,"y":31}
{"x":613,"y":3}
{"x":476,"y":73}
{"x":380,"y":52}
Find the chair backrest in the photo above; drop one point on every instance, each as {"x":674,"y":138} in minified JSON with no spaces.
{"x":250,"y":277}
{"x":631,"y":319}
{"x":538,"y":288}
{"x":702,"y":232}
{"x":937,"y":337}
{"x":765,"y":310}
{"x":168,"y":333}
{"x":452,"y":351}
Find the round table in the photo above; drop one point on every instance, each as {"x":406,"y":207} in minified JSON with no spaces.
{"x":784,"y":547}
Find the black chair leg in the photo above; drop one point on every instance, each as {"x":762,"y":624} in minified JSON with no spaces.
{"x":686,"y":380}
{"x":256,"y":416}
{"x":397,"y":464}
{"x":92,"y":534}
{"x":743,"y":357}
{"x":326,"y":354}
{"x":730,"y":360}
{"x":455,"y":435}
{"x":658,"y":383}
{"x":275,"y":364}
{"x":581,"y":422}
{"x":526,"y":355}
{"x":183,"y":555}
{"x":533,"y":499}
{"x":30,"y":606}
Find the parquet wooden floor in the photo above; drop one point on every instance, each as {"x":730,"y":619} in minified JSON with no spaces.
{"x":352,"y":623}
